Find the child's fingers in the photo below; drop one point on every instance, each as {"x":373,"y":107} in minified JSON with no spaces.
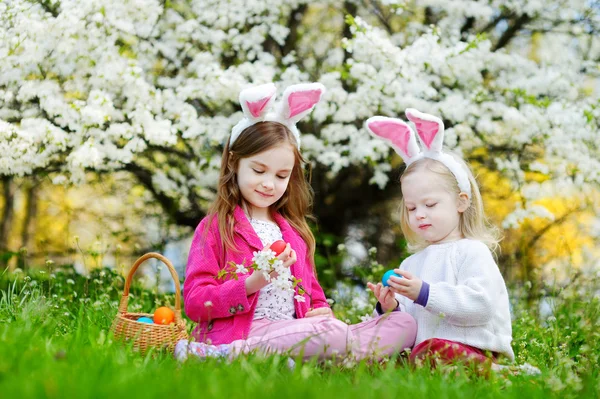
{"x":376,"y":288}
{"x":397,"y":284}
{"x":285,"y":254}
{"x":404,"y":274}
{"x":319,"y":312}
{"x":399,"y":281}
{"x":291,"y":259}
{"x":384,"y":292}
{"x":389,"y":294}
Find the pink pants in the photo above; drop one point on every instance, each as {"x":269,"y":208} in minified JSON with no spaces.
{"x":325,"y":337}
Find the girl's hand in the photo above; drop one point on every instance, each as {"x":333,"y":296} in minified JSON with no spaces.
{"x":408,"y":286}
{"x":319,"y":312}
{"x":288,"y":256}
{"x":256,"y":281}
{"x":384,"y":295}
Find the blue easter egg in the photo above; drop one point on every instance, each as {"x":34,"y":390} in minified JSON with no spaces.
{"x":145,"y":320}
{"x":387,"y":275}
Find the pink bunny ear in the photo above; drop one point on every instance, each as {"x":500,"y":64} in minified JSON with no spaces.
{"x":397,"y":133}
{"x":299,"y":100}
{"x":256,"y":101}
{"x":430,"y":129}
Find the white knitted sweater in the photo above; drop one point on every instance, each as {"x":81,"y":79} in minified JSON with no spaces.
{"x":468,"y":300}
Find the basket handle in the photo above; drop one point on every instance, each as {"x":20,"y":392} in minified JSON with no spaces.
{"x":141,"y":259}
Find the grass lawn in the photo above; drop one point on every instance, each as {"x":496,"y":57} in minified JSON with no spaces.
{"x":55,"y":342}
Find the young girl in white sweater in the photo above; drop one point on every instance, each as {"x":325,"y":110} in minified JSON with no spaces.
{"x":451,"y":285}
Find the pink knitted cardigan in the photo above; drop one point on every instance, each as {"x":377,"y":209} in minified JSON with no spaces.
{"x":221,"y":307}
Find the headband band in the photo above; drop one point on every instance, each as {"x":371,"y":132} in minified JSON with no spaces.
{"x":430,"y":130}
{"x":257,"y":106}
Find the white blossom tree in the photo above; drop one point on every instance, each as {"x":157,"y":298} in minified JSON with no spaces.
{"x":151,"y":87}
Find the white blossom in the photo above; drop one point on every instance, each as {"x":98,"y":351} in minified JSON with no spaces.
{"x":103,"y":85}
{"x":241,"y":269}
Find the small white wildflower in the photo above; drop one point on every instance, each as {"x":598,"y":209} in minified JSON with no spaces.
{"x":372,"y":251}
{"x":366,"y":317}
{"x":282,"y":283}
{"x":241,"y":269}
{"x":278,"y":267}
{"x":70,"y":281}
{"x":300,"y":298}
{"x":262,"y":259}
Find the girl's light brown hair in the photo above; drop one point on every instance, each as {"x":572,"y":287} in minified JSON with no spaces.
{"x":472,"y":223}
{"x":294,"y":205}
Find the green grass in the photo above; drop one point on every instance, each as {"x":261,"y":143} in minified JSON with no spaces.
{"x":55,"y":342}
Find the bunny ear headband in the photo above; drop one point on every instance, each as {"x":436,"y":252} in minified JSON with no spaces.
{"x":430,"y":130}
{"x":257,"y":103}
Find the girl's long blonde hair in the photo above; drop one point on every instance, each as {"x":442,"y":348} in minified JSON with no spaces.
{"x":472,"y":223}
{"x":294,"y":205}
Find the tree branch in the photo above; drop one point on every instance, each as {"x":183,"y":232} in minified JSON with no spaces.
{"x":294,"y":21}
{"x":511,"y":32}
{"x":189,"y":218}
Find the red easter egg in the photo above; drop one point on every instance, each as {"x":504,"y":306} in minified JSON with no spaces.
{"x":278,"y":247}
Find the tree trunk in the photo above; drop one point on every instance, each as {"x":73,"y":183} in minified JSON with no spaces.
{"x":8,"y":192}
{"x":29,"y":223}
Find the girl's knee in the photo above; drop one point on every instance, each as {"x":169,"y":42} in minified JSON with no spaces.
{"x":333,"y":326}
{"x":401,"y":323}
{"x":336,"y":332}
{"x":401,"y":320}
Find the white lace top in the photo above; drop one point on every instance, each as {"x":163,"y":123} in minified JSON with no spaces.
{"x":273,"y":304}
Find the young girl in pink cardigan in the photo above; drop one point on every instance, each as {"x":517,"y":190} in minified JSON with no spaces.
{"x":263,"y":197}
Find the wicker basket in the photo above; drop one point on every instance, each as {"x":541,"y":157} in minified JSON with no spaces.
{"x":126,"y":328}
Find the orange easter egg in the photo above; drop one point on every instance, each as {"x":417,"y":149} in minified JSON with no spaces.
{"x":164,"y":315}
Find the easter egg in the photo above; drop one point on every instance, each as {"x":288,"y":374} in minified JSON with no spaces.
{"x":145,"y":320}
{"x":278,"y":247}
{"x":387,"y":275}
{"x":164,"y":315}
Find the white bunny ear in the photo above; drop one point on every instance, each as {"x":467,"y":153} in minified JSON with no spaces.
{"x":398,"y":134}
{"x":256,"y":101}
{"x":429,"y":128}
{"x":298,"y":100}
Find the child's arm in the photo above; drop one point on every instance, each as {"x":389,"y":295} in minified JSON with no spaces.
{"x":473,"y":299}
{"x":205,"y":297}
